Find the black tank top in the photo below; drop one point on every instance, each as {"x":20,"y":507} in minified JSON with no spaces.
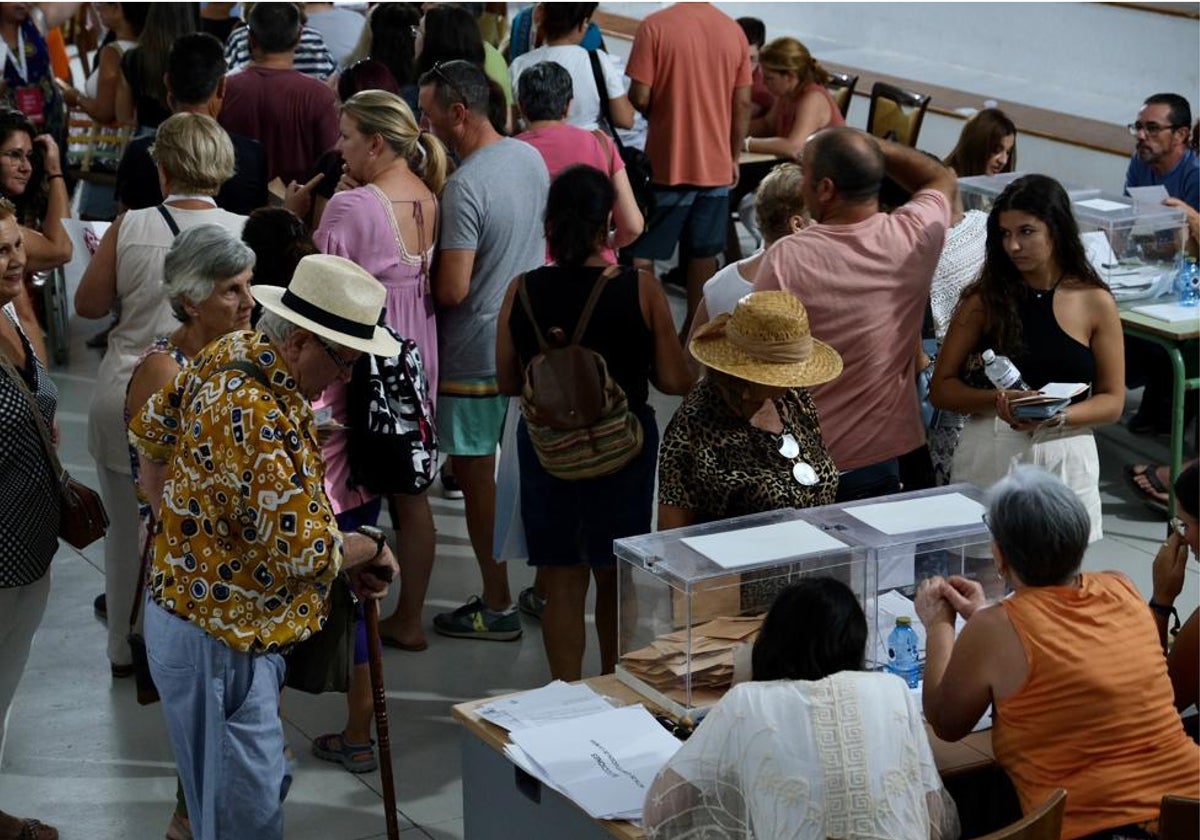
{"x":617,"y":330}
{"x":1048,"y":353}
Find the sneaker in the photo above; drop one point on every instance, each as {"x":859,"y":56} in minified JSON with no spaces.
{"x":473,"y":621}
{"x":531,"y":603}
{"x":100,"y":607}
{"x":450,"y":487}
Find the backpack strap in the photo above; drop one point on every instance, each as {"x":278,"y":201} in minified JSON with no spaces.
{"x":169,"y":219}
{"x":523,"y":294}
{"x":593,"y":299}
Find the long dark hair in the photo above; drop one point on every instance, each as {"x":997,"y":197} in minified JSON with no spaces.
{"x":450,"y":34}
{"x":815,"y":628}
{"x":31,"y":204}
{"x":1000,"y":284}
{"x":577,"y":213}
{"x":392,"y":40}
{"x":981,"y":137}
{"x":165,"y":24}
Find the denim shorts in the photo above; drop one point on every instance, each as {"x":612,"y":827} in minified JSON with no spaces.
{"x":695,"y":217}
{"x":572,"y":522}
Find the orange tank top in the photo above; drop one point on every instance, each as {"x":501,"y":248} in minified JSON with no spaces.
{"x":1096,"y":715}
{"x":785,"y":114}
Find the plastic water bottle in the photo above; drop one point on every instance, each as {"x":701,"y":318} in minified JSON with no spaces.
{"x":904,"y":655}
{"x":1187,"y":283}
{"x":1002,"y":372}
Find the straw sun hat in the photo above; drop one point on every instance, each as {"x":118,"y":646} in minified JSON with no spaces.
{"x":766,"y":340}
{"x":334,"y":299}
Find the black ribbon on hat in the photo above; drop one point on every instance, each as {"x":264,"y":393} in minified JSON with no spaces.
{"x":326,"y":319}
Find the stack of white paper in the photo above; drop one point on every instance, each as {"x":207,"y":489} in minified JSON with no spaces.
{"x":549,"y":704}
{"x":603,"y":762}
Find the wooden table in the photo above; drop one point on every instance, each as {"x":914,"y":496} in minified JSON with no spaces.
{"x":502,"y":801}
{"x":1170,"y":337}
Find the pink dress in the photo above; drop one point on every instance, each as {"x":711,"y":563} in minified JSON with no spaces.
{"x":359,"y":225}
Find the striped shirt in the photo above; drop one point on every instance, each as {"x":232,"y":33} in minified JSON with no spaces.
{"x":312,"y":56}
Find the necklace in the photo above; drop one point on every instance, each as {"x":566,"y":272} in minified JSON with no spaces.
{"x":1041,"y":293}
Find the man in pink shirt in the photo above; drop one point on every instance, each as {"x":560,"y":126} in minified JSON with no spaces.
{"x":864,"y":278}
{"x":690,"y":72}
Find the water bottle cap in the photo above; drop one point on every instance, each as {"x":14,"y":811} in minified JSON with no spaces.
{"x":903,"y":621}
{"x":988,"y":356}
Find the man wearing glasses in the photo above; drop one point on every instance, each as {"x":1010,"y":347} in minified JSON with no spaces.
{"x":1163,"y":155}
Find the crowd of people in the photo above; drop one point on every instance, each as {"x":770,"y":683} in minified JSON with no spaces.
{"x":306,"y":193}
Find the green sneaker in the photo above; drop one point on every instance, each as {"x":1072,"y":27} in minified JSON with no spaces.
{"x":473,"y":621}
{"x":531,"y":603}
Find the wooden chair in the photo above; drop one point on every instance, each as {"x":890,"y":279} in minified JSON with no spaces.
{"x":1043,"y":824}
{"x":1179,"y":818}
{"x":841,"y":88}
{"x":896,"y":114}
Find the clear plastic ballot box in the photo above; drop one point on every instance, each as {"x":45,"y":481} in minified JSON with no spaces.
{"x":979,"y":192}
{"x":1132,"y":244}
{"x":691,"y":600}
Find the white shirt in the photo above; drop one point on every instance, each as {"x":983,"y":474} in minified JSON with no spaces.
{"x":724,"y":289}
{"x":585,"y":102}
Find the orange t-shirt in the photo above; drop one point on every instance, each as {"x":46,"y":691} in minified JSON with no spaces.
{"x":1096,"y":714}
{"x":692,"y":56}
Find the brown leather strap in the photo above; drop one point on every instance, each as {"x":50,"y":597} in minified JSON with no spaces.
{"x":47,"y":444}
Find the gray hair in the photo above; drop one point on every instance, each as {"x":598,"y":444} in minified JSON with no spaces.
{"x":1040,"y":525}
{"x":201,"y":257}
{"x":276,"y":327}
{"x":544,"y":91}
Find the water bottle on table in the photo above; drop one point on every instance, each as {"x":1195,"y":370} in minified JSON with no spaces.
{"x":904,"y":655}
{"x":1187,"y":282}
{"x":1002,"y":372}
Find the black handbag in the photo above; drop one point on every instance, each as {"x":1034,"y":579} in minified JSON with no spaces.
{"x":147,"y":691}
{"x":322,"y":662}
{"x":637,"y":163}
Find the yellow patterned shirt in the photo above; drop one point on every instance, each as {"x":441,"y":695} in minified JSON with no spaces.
{"x":247,"y":543}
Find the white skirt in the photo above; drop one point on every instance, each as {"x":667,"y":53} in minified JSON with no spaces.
{"x":989,"y":448}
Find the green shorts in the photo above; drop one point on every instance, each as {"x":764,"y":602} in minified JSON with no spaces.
{"x":470,"y":417}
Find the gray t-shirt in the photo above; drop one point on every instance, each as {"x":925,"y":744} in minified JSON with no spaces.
{"x":493,"y":205}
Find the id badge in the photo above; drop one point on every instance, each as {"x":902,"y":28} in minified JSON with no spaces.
{"x":32,"y":103}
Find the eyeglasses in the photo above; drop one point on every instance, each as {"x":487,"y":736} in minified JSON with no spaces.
{"x":802,"y":471}
{"x":450,"y":83}
{"x":17,"y":155}
{"x":344,"y":366}
{"x":1150,"y":128}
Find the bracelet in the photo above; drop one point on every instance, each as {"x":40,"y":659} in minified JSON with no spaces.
{"x":1167,"y":611}
{"x":56,"y":175}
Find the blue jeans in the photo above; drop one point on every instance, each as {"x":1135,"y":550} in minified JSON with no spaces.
{"x":222,"y":714}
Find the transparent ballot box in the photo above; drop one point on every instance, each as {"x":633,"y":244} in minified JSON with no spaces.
{"x":691,"y":600}
{"x":979,"y":192}
{"x":1131,"y":244}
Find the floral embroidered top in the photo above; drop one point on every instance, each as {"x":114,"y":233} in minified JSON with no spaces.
{"x":247,"y":543}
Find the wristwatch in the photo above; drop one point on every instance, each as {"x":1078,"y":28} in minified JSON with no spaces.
{"x":375,"y":534}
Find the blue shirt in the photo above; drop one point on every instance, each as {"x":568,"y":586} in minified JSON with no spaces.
{"x":1182,"y":182}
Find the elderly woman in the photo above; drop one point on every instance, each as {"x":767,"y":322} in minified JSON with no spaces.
{"x":1070,"y":664}
{"x":29,"y":495}
{"x":194,"y":157}
{"x":747,"y":438}
{"x":809,"y":700}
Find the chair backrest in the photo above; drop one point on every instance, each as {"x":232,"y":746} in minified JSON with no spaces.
{"x":1043,"y":824}
{"x":1179,"y":818}
{"x":896,"y":114}
{"x":841,"y":88}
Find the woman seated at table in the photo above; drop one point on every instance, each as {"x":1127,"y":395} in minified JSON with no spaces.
{"x":986,"y":146}
{"x":1038,"y":301}
{"x":746,"y":438}
{"x":812,"y":747}
{"x":803,"y":105}
{"x":1070,"y":663}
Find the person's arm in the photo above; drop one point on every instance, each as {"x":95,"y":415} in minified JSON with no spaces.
{"x":51,"y":247}
{"x":1168,"y":571}
{"x":622,"y":111}
{"x":619,"y":105}
{"x":946,"y":388}
{"x":153,"y":435}
{"x":151,"y":376}
{"x":811,"y":115}
{"x":764,"y":126}
{"x":103,"y":107}
{"x":56,"y":14}
{"x":741,"y":124}
{"x":452,"y":278}
{"x":123,"y":105}
{"x":509,"y":376}
{"x":639,"y":97}
{"x":627,"y":216}
{"x":670,"y":372}
{"x":27,"y":317}
{"x":673,"y":516}
{"x":98,"y":289}
{"x":916,"y":171}
{"x":1183,"y":663}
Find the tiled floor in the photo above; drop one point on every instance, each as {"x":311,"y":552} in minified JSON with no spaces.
{"x":82,"y":755}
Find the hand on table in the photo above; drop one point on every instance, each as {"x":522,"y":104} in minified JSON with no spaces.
{"x":1169,"y":566}
{"x":931,"y":603}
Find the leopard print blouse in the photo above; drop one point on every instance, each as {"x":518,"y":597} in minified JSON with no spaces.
{"x":717,"y":465}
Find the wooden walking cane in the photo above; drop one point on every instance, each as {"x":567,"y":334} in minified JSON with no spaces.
{"x":375,"y":658}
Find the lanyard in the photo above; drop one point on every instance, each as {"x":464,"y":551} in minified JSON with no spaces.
{"x":18,"y":60}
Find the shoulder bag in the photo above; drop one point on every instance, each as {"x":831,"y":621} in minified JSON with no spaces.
{"x":637,"y":164}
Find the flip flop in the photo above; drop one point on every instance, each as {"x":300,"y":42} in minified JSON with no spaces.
{"x":389,"y":642}
{"x":1150,"y":473}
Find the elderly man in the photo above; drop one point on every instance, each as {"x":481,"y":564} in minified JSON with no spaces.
{"x":247,"y":546}
{"x":864,"y":278}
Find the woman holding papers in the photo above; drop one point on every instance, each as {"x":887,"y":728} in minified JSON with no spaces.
{"x":813,"y":747}
{"x":1039,"y":302}
{"x":1070,"y":663}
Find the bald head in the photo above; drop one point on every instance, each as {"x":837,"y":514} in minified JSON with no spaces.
{"x":850,"y":159}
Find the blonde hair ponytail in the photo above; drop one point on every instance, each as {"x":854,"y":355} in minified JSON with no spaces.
{"x":386,"y":114}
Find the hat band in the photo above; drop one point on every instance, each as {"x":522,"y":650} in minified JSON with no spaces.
{"x":326,"y":319}
{"x":780,"y":352}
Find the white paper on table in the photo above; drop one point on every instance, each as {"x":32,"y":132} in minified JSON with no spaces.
{"x":553,"y":702}
{"x":1098,"y":249}
{"x":1102,"y":204}
{"x":1172,"y":313}
{"x":945,"y":511}
{"x":1155,"y":194}
{"x":764,"y":543}
{"x":605,"y":762}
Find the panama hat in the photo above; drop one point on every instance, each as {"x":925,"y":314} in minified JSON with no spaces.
{"x":335,"y":299}
{"x":766,"y":340}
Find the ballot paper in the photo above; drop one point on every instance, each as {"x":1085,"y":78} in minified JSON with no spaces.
{"x":551,"y":703}
{"x":603,"y":762}
{"x":1155,"y":194}
{"x":762,"y":544}
{"x":1172,"y":313}
{"x":950,"y":510}
{"x":705,"y":675}
{"x":1102,"y":204}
